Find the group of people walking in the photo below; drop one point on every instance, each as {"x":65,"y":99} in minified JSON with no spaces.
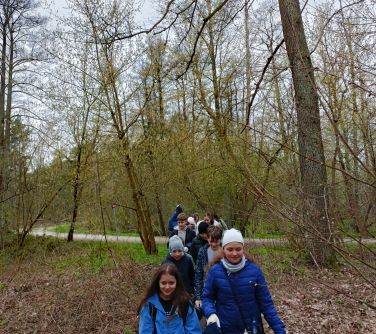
{"x":207,"y":274}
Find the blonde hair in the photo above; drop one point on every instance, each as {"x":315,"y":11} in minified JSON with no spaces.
{"x":220,"y":255}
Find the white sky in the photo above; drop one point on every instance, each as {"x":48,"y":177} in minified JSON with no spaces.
{"x":147,"y":15}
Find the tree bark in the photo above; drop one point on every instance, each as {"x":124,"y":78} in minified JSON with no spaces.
{"x":317,"y":225}
{"x":2,"y":105}
{"x":142,"y":209}
{"x":8,"y":109}
{"x":76,"y":194}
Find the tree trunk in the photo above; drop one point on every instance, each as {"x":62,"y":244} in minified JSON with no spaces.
{"x":76,"y":195}
{"x":245,"y":194}
{"x":158,"y":202}
{"x":8,"y":110}
{"x":145,"y":227}
{"x":318,"y":235}
{"x":2,"y":106}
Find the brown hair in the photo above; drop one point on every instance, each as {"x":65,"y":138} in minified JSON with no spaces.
{"x":215,"y":232}
{"x":180,"y":298}
{"x":210,"y":216}
{"x":220,"y":255}
{"x":181,"y":216}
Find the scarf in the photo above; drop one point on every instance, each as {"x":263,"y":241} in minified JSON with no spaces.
{"x":233,"y":268}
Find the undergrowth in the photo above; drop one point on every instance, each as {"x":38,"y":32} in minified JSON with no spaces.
{"x":78,"y":257}
{"x":53,"y":286}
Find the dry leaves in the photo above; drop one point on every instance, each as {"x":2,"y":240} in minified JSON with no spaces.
{"x":37,"y":301}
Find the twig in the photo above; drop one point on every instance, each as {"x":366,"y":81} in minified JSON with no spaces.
{"x":259,"y":83}
{"x":347,"y":295}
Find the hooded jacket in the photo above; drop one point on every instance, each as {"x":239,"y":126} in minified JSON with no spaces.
{"x":186,"y":269}
{"x":197,"y":243}
{"x":175,"y":325}
{"x":252,"y":299}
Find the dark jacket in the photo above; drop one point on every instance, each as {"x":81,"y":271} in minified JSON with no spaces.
{"x":252,"y":295}
{"x":197,"y":243}
{"x":189,"y":236}
{"x":186,"y":269}
{"x":201,"y":268}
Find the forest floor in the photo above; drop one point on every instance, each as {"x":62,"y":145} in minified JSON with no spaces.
{"x":86,"y":287}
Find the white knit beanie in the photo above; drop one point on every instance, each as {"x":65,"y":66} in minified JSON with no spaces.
{"x":175,"y":243}
{"x":232,"y":235}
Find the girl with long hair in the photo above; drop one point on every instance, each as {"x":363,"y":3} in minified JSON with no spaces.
{"x":166,"y":307}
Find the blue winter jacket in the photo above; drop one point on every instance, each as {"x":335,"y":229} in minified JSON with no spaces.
{"x":252,"y":295}
{"x":173,"y":221}
{"x":175,"y":325}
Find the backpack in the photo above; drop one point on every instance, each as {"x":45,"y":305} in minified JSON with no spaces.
{"x":153,"y":313}
{"x":223,"y":224}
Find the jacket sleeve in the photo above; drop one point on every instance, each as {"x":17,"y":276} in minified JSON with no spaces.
{"x":193,"y":250}
{"x":209,"y":295}
{"x":192,"y":324}
{"x":199,"y":277}
{"x":192,"y":273}
{"x":173,"y":219}
{"x":146,"y":324}
{"x":266,"y":305}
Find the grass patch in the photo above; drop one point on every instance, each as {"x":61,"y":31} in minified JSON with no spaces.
{"x":93,"y":257}
{"x":136,"y":253}
{"x":277,"y":259}
{"x":348,"y":230}
{"x":93,"y":262}
{"x":78,"y":257}
{"x":268,"y":235}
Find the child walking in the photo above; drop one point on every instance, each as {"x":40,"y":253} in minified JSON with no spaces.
{"x":235,"y":293}
{"x":182,"y":261}
{"x":206,"y":255}
{"x":199,"y":241}
{"x":166,"y":307}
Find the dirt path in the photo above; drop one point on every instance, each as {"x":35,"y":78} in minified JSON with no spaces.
{"x":45,"y":231}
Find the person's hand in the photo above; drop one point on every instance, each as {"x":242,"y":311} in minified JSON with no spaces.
{"x":198,"y":303}
{"x":213,"y":318}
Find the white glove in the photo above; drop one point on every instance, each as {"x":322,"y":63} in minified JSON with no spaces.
{"x":198,"y":303}
{"x":213,"y":318}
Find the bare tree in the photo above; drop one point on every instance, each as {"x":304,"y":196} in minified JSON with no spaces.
{"x":318,"y":233}
{"x":105,"y":19}
{"x":18,"y":23}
